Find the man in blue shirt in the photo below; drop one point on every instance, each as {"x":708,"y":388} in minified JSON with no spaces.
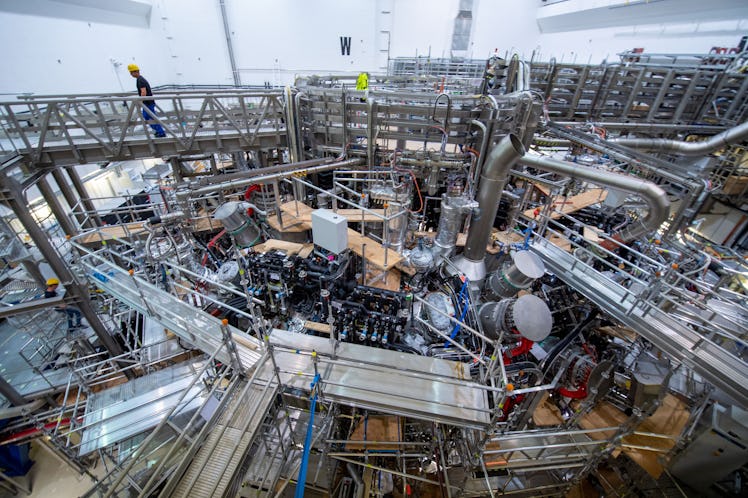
{"x":144,"y":90}
{"x":73,"y":313}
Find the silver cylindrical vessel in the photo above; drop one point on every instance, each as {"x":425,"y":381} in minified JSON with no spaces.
{"x":520,"y":273}
{"x":528,"y":315}
{"x":233,"y":215}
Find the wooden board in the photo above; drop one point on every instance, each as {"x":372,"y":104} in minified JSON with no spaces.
{"x":561,"y":242}
{"x":378,"y":428}
{"x":668,"y":420}
{"x":106,"y":233}
{"x":325,"y":328}
{"x":574,"y":203}
{"x":624,"y":333}
{"x":507,"y":237}
{"x":392,"y":281}
{"x":303,"y":213}
{"x":290,"y":224}
{"x":125,"y":231}
{"x":547,"y":414}
{"x":373,"y":251}
{"x":403,"y":267}
{"x":207,"y":224}
{"x":591,"y":234}
{"x":289,"y":248}
{"x":543,"y":188}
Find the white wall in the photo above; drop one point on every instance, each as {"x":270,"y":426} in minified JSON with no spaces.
{"x":273,"y":41}
{"x":185,"y":43}
{"x":596,"y":45}
{"x":593,"y":30}
{"x":423,"y":27}
{"x":503,"y":24}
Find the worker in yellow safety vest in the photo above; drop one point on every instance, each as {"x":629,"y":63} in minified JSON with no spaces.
{"x":362,"y":82}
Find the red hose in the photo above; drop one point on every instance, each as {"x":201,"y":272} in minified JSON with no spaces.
{"x":215,"y":239}
{"x":250,"y":189}
{"x":32,"y":432}
{"x":577,"y":394}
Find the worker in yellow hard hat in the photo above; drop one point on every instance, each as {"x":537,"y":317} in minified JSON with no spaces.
{"x":149,"y":106}
{"x":73,"y":313}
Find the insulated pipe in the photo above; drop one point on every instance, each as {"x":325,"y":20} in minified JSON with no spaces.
{"x":497,"y":166}
{"x":654,"y":196}
{"x":264,"y":178}
{"x":263,"y":171}
{"x":727,"y":137}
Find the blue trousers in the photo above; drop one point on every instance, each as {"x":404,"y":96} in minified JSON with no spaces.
{"x":156,"y":127}
{"x":74,"y":316}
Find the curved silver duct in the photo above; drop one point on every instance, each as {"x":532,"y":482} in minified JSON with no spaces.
{"x":497,"y":166}
{"x":654,"y":196}
{"x":495,"y":170}
{"x":727,"y":137}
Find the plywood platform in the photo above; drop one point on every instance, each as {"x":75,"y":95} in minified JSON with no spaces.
{"x":324,"y":328}
{"x":375,"y":254}
{"x":574,"y":203}
{"x":107,"y":233}
{"x":668,"y":420}
{"x":206,"y":224}
{"x":304,"y":213}
{"x":378,"y":428}
{"x":135,"y":229}
{"x":290,"y":224}
{"x":290,"y":248}
{"x":392,"y":282}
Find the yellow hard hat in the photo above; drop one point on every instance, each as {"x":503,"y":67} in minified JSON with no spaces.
{"x":133,"y":67}
{"x":53,"y":281}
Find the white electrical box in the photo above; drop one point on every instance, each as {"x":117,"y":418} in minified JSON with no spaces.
{"x":330,"y":230}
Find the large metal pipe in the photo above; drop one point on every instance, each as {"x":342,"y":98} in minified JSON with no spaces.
{"x":654,"y":196}
{"x":265,"y":178}
{"x":495,"y":170}
{"x":497,"y":166}
{"x":264,"y":171}
{"x":727,"y":137}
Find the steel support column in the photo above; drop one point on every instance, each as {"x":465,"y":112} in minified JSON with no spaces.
{"x":68,"y":194}
{"x":74,"y":289}
{"x":54,"y":205}
{"x":33,"y":270}
{"x":93,"y":219}
{"x":10,"y":393}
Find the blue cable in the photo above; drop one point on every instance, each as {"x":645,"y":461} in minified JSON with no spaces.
{"x":301,"y":481}
{"x":463,"y":296}
{"x":528,"y":234}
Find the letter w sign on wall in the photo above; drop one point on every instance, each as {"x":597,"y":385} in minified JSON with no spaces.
{"x":345,"y":45}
